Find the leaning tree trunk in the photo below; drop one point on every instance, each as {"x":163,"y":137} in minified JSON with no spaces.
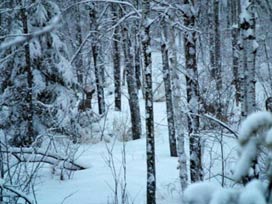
{"x":135,"y":114}
{"x":116,"y":61}
{"x":168,"y":92}
{"x":28,"y":111}
{"x":150,"y":140}
{"x":96,"y":61}
{"x":177,"y":101}
{"x":192,"y":93}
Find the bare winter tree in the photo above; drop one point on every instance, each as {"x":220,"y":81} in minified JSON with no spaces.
{"x":78,"y":42}
{"x":215,"y":56}
{"x":132,"y":86}
{"x":190,"y":39}
{"x":249,"y":50}
{"x":234,"y":22}
{"x":168,"y":89}
{"x":150,"y":140}
{"x":97,"y":63}
{"x":116,"y":58}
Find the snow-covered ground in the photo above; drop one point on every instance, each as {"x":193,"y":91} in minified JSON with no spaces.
{"x":96,"y":185}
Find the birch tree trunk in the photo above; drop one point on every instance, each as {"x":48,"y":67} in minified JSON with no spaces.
{"x":177,"y":101}
{"x":135,"y":115}
{"x":150,"y":140}
{"x":116,"y":61}
{"x":234,"y":19}
{"x":168,"y":91}
{"x":192,"y":92}
{"x":249,"y":50}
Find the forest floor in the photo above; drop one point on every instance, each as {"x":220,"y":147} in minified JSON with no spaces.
{"x":105,"y":162}
{"x":96,"y":185}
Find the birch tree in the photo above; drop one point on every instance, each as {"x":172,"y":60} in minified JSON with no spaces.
{"x":177,"y":103}
{"x":234,"y":20}
{"x":168,"y":89}
{"x":135,"y":115}
{"x":192,"y":89}
{"x":249,"y":50}
{"x":116,"y":58}
{"x":150,"y":140}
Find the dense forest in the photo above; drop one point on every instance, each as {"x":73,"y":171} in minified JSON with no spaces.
{"x":135,"y":101}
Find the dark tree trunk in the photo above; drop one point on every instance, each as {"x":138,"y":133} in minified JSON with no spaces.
{"x":97,"y":61}
{"x":138,"y":72}
{"x":234,"y":18}
{"x":215,"y":56}
{"x":116,"y":61}
{"x":192,"y":94}
{"x":168,"y":93}
{"x":132,"y":88}
{"x":150,"y":140}
{"x":79,"y":60}
{"x":28,"y":115}
{"x":98,"y":81}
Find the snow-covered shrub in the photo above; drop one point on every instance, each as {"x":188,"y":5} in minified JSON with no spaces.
{"x":200,"y":193}
{"x":255,"y":134}
{"x":121,"y":128}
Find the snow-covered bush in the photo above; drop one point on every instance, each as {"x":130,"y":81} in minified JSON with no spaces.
{"x":255,"y":134}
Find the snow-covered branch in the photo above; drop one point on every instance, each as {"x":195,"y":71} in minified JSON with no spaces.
{"x":33,"y":155}
{"x":27,"y":37}
{"x":17,"y":192}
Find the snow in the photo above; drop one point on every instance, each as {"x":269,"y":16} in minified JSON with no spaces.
{"x":249,"y":153}
{"x":200,"y":193}
{"x":95,"y":185}
{"x":253,"y":193}
{"x":252,"y":123}
{"x":268,"y":138}
{"x":225,"y":196}
{"x":2,"y":182}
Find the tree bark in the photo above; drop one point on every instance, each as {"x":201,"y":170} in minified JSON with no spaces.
{"x":96,"y":61}
{"x":150,"y":140}
{"x":177,"y":100}
{"x":116,"y":61}
{"x":79,"y":60}
{"x":132,"y":88}
{"x":192,"y":93}
{"x":249,"y":50}
{"x":234,"y":19}
{"x":168,"y":92}
{"x":29,"y":137}
{"x":215,"y":56}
